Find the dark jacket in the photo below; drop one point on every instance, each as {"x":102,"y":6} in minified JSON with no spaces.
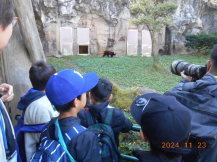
{"x":148,"y":156}
{"x":31,"y":96}
{"x":201,"y":98}
{"x":119,"y":122}
{"x":84,"y":147}
{"x":8,"y":142}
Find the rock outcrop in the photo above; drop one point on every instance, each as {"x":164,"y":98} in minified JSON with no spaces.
{"x":108,"y":21}
{"x":191,"y":17}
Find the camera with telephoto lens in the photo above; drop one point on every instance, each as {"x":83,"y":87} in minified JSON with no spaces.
{"x":192,"y":70}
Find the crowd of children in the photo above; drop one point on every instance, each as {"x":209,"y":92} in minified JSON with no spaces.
{"x":67,"y":116}
{"x":71,"y":135}
{"x":73,"y":130}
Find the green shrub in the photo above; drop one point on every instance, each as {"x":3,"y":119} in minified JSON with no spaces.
{"x":132,"y":141}
{"x":204,"y":51}
{"x":201,"y":43}
{"x":123,"y":99}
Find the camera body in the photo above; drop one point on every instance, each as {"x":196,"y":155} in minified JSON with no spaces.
{"x":193,"y":70}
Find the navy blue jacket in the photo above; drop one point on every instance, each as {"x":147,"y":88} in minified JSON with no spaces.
{"x":149,"y":156}
{"x":31,"y":96}
{"x":6,"y":129}
{"x":119,"y":122}
{"x":84,"y":147}
{"x":201,"y":98}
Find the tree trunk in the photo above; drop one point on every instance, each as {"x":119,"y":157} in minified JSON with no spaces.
{"x":24,"y":48}
{"x":154,"y":53}
{"x":15,"y":64}
{"x":24,"y":11}
{"x":139,"y":48}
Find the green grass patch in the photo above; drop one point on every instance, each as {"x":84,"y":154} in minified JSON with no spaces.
{"x":128,"y":72}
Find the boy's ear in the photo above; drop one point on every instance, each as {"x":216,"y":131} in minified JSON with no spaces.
{"x":88,"y":94}
{"x":143,"y":136}
{"x":75,"y":102}
{"x":110,"y":98}
{"x":91,"y":96}
{"x":209,"y":66}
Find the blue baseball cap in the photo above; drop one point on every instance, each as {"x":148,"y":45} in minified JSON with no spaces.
{"x":163,"y":120}
{"x":66,"y":85}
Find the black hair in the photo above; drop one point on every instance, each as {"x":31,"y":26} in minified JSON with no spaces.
{"x":39,"y":74}
{"x":6,"y":13}
{"x":214,"y":57}
{"x":102,"y":91}
{"x":66,"y":107}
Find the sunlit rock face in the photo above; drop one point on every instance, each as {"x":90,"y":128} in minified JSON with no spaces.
{"x":192,"y":17}
{"x":91,"y":26}
{"x":105,"y":21}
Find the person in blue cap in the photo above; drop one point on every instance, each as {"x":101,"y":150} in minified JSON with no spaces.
{"x":165,"y":124}
{"x":66,"y":90}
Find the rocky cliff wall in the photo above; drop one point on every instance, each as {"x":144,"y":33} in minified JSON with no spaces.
{"x":191,"y":17}
{"x":108,"y":23}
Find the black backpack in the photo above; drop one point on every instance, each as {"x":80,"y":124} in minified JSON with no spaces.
{"x":103,"y":130}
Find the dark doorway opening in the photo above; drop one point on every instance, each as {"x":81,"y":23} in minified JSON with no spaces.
{"x":83,"y":49}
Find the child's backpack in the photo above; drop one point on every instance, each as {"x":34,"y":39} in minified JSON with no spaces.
{"x":20,"y":130}
{"x":53,"y":150}
{"x":103,"y":130}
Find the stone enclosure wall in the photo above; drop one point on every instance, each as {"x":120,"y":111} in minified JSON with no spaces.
{"x":69,"y":27}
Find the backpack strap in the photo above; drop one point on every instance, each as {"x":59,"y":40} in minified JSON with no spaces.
{"x":91,"y":119}
{"x":67,"y":137}
{"x":33,"y":128}
{"x":62,"y":142}
{"x":108,"y":117}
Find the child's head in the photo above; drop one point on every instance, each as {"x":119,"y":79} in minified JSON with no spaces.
{"x":212,"y":64}
{"x":6,"y":17}
{"x":39,"y":73}
{"x":6,"y":13}
{"x":102,"y":91}
{"x":163,"y":120}
{"x":67,"y":89}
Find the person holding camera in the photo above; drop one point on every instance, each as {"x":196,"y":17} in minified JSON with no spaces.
{"x":199,"y":94}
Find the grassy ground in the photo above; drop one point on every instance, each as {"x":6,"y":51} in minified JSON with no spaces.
{"x":127,"y":71}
